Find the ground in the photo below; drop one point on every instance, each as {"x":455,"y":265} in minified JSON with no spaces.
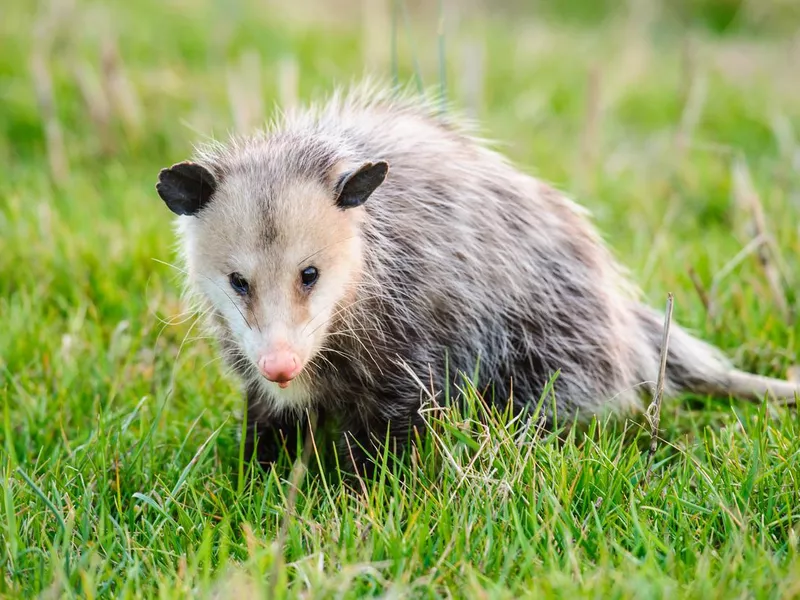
{"x":120,"y":463}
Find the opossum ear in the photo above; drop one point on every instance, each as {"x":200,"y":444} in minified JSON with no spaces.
{"x":356,"y":186}
{"x":185,"y":187}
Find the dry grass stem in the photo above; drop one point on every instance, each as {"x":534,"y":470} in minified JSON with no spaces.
{"x":376,"y":17}
{"x":692,"y":111}
{"x":118,"y":87}
{"x":96,"y":100}
{"x":288,"y":82}
{"x":45,"y":99}
{"x":591,"y":123}
{"x":701,"y":291}
{"x":244,"y":92}
{"x":751,"y":247}
{"x":472,"y":67}
{"x":653,"y":413}
{"x":747,"y":199}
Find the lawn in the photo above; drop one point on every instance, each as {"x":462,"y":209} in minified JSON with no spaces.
{"x":120,"y":463}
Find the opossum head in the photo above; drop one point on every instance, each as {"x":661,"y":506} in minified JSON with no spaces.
{"x":276,"y":256}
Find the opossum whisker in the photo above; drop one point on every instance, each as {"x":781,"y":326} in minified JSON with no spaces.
{"x":321,"y":356}
{"x":190,"y":314}
{"x":169,"y":264}
{"x":206,"y":277}
{"x":313,"y":254}
{"x":350,"y":331}
{"x":199,"y":338}
{"x":199,"y":314}
{"x":182,"y":316}
{"x":235,"y":366}
{"x":341,"y":353}
{"x":354,"y":312}
{"x":185,"y":337}
{"x":331,"y":318}
{"x":382,"y":288}
{"x":369,"y":354}
{"x":338,"y":312}
{"x":212,"y":361}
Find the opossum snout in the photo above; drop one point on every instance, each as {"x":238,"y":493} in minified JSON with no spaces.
{"x":280,"y":366}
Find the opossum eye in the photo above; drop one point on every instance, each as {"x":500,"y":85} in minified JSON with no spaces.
{"x":309,"y":276}
{"x":239,"y":284}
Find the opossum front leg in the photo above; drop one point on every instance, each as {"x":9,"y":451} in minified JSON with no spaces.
{"x":364,"y":445}
{"x":268,"y":434}
{"x":267,"y":439}
{"x":358,"y":451}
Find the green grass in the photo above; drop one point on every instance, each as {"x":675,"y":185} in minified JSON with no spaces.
{"x":119,"y":459}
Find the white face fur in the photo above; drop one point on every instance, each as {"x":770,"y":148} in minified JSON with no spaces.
{"x":276,"y":263}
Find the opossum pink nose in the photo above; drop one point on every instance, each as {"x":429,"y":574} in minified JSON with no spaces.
{"x":281,"y":366}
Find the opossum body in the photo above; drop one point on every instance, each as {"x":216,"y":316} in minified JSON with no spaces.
{"x":355,"y":243}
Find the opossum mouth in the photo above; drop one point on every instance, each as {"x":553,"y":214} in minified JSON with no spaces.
{"x":284,"y":384}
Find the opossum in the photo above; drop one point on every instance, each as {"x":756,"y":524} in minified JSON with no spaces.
{"x":359,"y":249}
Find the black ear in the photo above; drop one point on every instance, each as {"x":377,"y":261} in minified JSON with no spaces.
{"x":185,"y":187}
{"x":356,"y":186}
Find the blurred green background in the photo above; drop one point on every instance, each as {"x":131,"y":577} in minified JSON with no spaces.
{"x":675,"y":122}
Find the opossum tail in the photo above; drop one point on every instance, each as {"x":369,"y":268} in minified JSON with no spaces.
{"x":695,"y":366}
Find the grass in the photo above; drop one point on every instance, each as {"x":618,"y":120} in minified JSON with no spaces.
{"x":119,"y":458}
